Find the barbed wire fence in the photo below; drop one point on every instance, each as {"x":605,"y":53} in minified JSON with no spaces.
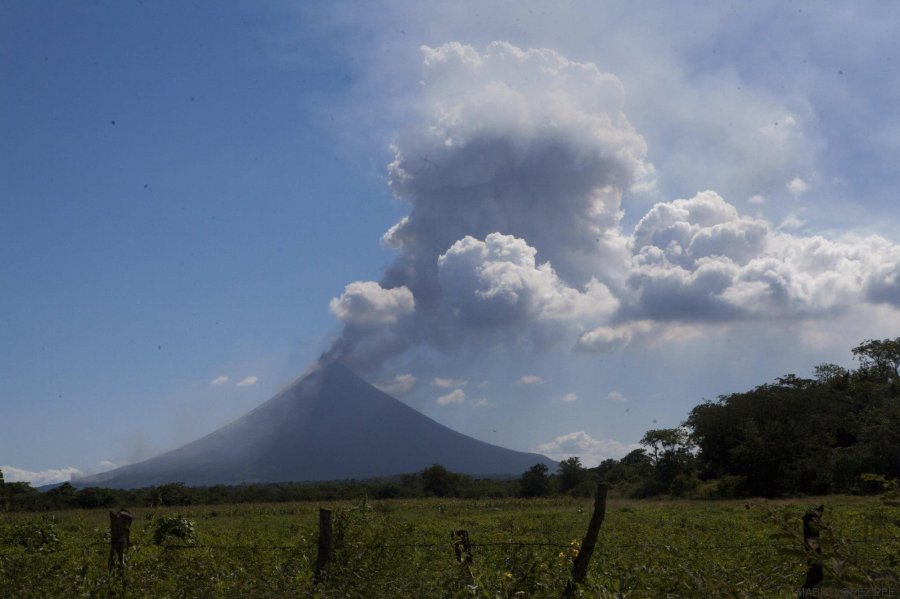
{"x":463,"y":547}
{"x":448,"y":545}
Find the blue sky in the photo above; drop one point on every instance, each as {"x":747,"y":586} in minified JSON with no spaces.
{"x":185,"y":192}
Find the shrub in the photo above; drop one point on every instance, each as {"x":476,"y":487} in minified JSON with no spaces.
{"x":731,"y":487}
{"x":174,"y":526}
{"x":683,"y":485}
{"x":34,"y":535}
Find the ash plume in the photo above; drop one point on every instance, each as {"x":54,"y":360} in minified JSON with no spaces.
{"x":516,"y":172}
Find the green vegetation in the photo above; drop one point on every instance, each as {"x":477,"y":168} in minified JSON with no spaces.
{"x":173,"y":527}
{"x":535,"y":482}
{"x":806,"y":436}
{"x":836,"y":433}
{"x":435,"y":481}
{"x":402,"y":548}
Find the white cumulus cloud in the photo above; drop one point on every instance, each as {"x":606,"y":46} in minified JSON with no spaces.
{"x":482,"y":403}
{"x":615,"y":396}
{"x":608,"y":339}
{"x":497,"y":283}
{"x":797,"y":186}
{"x":448,"y":383}
{"x":530,"y":379}
{"x":580,"y":444}
{"x":38,"y":478}
{"x":516,"y":166}
{"x":248,"y":381}
{"x":399,"y":385}
{"x":699,"y":260}
{"x":219,"y":380}
{"x":368,"y":303}
{"x":457,"y":396}
{"x":567,"y":397}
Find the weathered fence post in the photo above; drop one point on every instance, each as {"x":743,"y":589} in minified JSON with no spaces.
{"x":119,"y":536}
{"x":461,"y":546}
{"x":815,"y":573}
{"x":583,"y":559}
{"x":324,"y":555}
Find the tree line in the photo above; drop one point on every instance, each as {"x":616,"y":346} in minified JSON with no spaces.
{"x":434,"y":481}
{"x":838,"y":432}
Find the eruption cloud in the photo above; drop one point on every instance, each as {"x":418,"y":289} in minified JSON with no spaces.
{"x":516,"y":171}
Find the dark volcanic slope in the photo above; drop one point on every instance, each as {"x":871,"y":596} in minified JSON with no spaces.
{"x":329,"y":425}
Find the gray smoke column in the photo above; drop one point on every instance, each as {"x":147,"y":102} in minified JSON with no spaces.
{"x":514,"y":174}
{"x":515,"y":171}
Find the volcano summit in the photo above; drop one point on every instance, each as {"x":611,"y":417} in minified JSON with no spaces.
{"x":328,"y":425}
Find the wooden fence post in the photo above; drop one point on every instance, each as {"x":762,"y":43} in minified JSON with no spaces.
{"x":119,"y":537}
{"x":461,"y":546}
{"x":324,"y":555}
{"x":815,"y":574}
{"x":583,"y":559}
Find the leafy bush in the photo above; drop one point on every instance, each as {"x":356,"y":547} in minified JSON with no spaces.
{"x":683,"y":485}
{"x":34,"y":535}
{"x":174,"y":527}
{"x":730,"y":487}
{"x":890,"y":488}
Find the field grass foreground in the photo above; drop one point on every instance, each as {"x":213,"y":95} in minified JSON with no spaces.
{"x":402,"y":548}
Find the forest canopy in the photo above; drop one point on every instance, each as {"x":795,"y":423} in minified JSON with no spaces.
{"x":806,"y":436}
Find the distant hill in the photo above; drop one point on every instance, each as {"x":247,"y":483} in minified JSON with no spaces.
{"x":329,"y":425}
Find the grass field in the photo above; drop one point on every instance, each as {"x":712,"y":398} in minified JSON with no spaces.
{"x":402,"y":548}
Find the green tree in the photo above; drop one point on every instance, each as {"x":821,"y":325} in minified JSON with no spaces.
{"x":174,"y":494}
{"x":535,"y":482}
{"x":667,"y":444}
{"x":571,"y":474}
{"x":94,"y":497}
{"x":672,"y":459}
{"x":830,"y":373}
{"x":806,"y":436}
{"x":61,"y":496}
{"x":437,"y":480}
{"x":635,"y":466}
{"x":636,"y":458}
{"x":22,"y":496}
{"x":881,"y":357}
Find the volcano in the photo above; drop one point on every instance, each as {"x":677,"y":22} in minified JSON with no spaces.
{"x":328,"y":425}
